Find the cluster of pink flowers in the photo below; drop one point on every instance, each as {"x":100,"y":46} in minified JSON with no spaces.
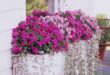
{"x":75,"y":25}
{"x":43,"y":32}
{"x":79,"y":26}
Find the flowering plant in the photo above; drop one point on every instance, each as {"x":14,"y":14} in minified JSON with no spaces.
{"x":43,"y":32}
{"x":81,"y":26}
{"x":39,"y":13}
{"x":75,"y":25}
{"x":36,"y":37}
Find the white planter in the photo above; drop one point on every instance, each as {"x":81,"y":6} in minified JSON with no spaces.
{"x":81,"y":58}
{"x":39,"y":64}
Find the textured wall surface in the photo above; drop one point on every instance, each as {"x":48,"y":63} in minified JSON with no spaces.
{"x":91,"y":7}
{"x":76,"y":4}
{"x":11,"y":13}
{"x":102,"y":6}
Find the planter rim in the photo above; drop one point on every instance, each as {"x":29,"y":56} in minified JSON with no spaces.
{"x":28,"y":54}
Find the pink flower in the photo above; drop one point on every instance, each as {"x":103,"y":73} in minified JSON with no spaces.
{"x":23,"y":44}
{"x":34,"y":50}
{"x":15,"y":34}
{"x":24,"y":35}
{"x":43,"y":31}
{"x":22,"y":25}
{"x":40,"y":43}
{"x":40,"y":13}
{"x":16,"y":49}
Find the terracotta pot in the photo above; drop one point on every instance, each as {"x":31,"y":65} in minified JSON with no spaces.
{"x":101,"y":51}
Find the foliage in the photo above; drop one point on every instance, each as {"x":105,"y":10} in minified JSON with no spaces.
{"x":83,"y":25}
{"x":43,"y":32}
{"x":105,"y":36}
{"x":36,"y":37}
{"x":103,"y":21}
{"x":35,"y":4}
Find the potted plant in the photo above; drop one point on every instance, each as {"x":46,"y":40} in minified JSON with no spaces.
{"x":104,"y":25}
{"x":39,"y":43}
{"x":37,"y":47}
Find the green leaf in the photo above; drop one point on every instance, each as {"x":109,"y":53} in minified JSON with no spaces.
{"x":61,"y":43}
{"x":78,"y":16}
{"x":36,"y":4}
{"x":38,"y":26}
{"x":40,"y":37}
{"x":48,"y":50}
{"x":28,"y":6}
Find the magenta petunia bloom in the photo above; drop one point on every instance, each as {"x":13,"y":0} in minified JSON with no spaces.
{"x":16,"y":49}
{"x":34,"y":50}
{"x":43,"y":32}
{"x":40,"y":13}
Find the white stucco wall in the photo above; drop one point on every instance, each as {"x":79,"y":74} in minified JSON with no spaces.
{"x":11,"y":13}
